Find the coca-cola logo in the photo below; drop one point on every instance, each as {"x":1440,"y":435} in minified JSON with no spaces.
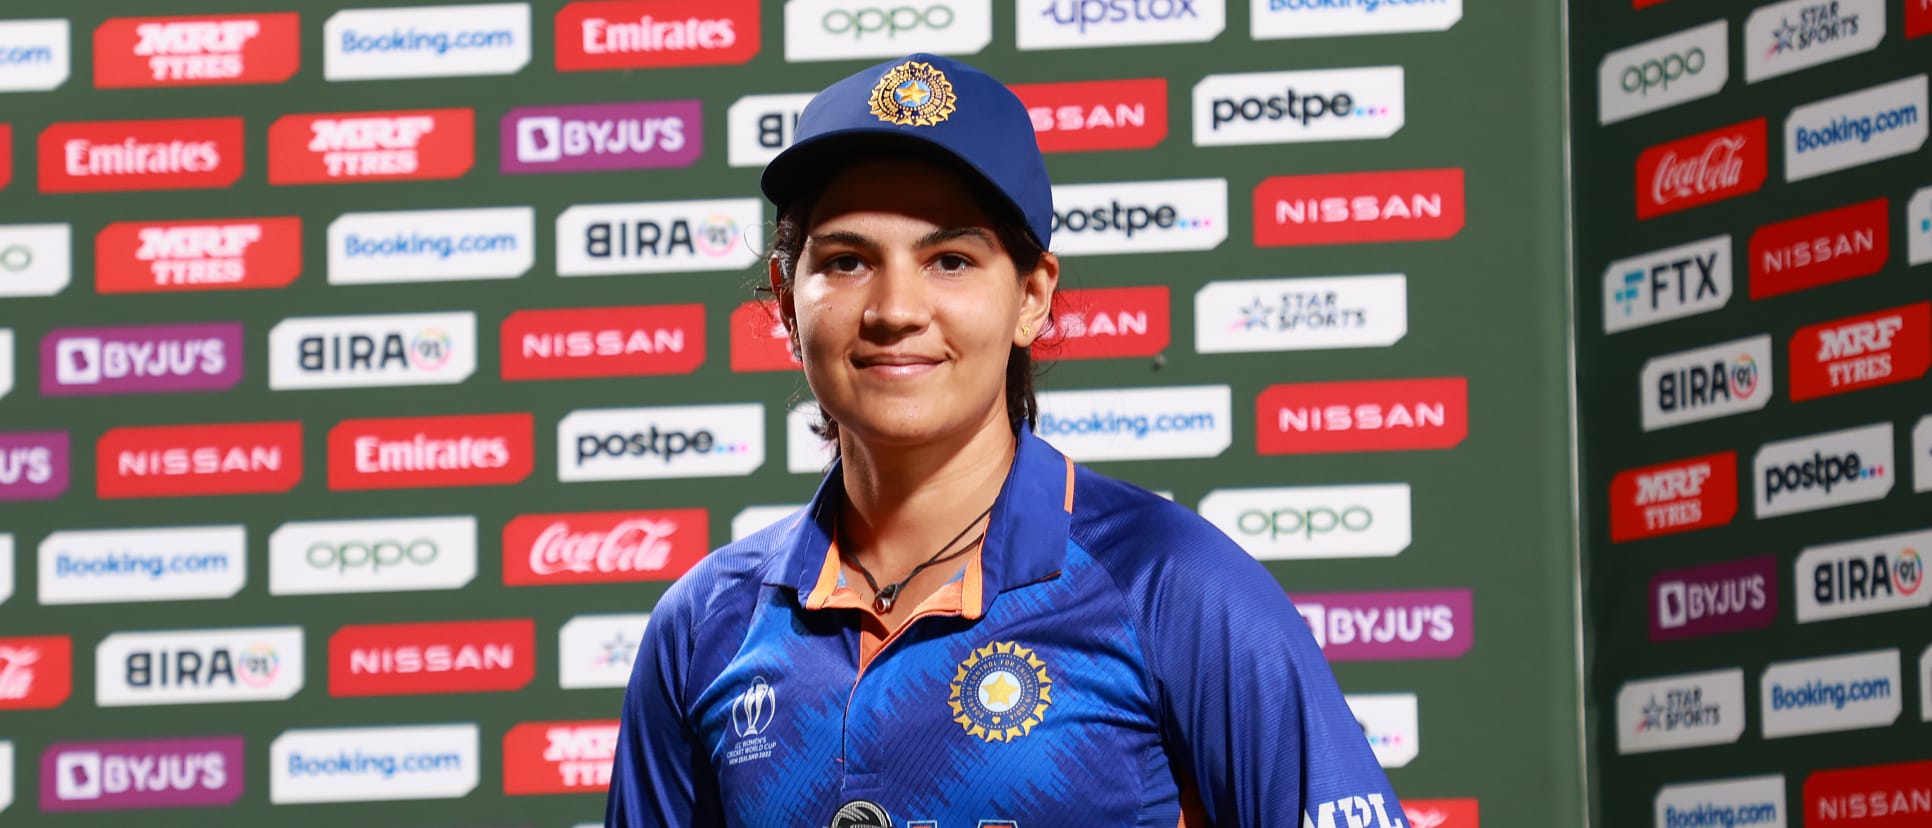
{"x":631,"y":546}
{"x":1700,"y":169}
{"x":597,"y":547}
{"x":1719,"y":167}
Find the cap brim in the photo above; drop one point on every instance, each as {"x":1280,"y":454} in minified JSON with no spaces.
{"x":810,"y":164}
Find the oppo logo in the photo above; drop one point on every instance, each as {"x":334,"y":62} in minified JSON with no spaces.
{"x":397,"y":554}
{"x":1663,"y":72}
{"x":1660,"y":73}
{"x":371,"y":555}
{"x":861,"y":22}
{"x":1305,"y":523}
{"x":1314,"y":521}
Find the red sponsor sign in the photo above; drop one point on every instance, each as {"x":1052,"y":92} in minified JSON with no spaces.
{"x":758,"y":339}
{"x":6,"y":155}
{"x":196,"y":51}
{"x":1081,"y":116}
{"x":559,"y":757}
{"x":1369,"y":415}
{"x":1861,"y":352}
{"x":1440,"y":813}
{"x":1348,"y":208}
{"x":440,"y":657}
{"x":35,"y":673}
{"x":1700,"y":169}
{"x":1918,"y":18}
{"x":636,"y":341}
{"x":1876,"y":796}
{"x":346,"y":147}
{"x":648,"y":34}
{"x":1644,"y":4}
{"x":426,"y":452}
{"x":1095,"y":323}
{"x":1819,"y":249}
{"x":170,"y":154}
{"x":199,"y":254}
{"x":604,"y":547}
{"x":1679,"y":496}
{"x":187,"y":460}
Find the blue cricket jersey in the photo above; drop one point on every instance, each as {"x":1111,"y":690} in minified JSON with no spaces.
{"x":1113,"y":657}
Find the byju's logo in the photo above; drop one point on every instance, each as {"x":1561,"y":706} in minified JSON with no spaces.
{"x":659,"y":237}
{"x":651,"y":443}
{"x":1819,"y":249}
{"x":418,"y":452}
{"x":1664,"y":72}
{"x":1872,"y":124}
{"x":1863,"y":577}
{"x":1301,"y":314}
{"x":35,"y":259}
{"x":1275,"y":19}
{"x":34,"y":55}
{"x":1391,"y":724}
{"x":848,"y":29}
{"x":1701,"y":169}
{"x":149,"y":774}
{"x":559,"y":757}
{"x":1718,"y":598}
{"x":145,"y":359}
{"x":1798,"y":34}
{"x":1082,"y":116}
{"x":196,"y":51}
{"x":1371,"y":415}
{"x":1827,"y":695}
{"x":396,"y":555}
{"x":1750,"y":802}
{"x":374,"y":764}
{"x":646,"y":34}
{"x":640,"y":340}
{"x":175,"y":154}
{"x":618,"y":136}
{"x":599,"y":650}
{"x":762,"y":126}
{"x":1707,"y":383}
{"x":100,"y":566}
{"x":1071,"y":24}
{"x":1680,"y":711}
{"x":33,"y":465}
{"x":1390,"y":626}
{"x":1293,"y":107}
{"x":1859,"y":352}
{"x":348,"y":147}
{"x":371,"y":351}
{"x":1351,"y":208}
{"x":203,"y":254}
{"x":1140,"y":216}
{"x":432,"y":245}
{"x":1667,"y":284}
{"x":1138,"y":423}
{"x":1314,"y":521}
{"x":35,"y":673}
{"x":426,"y":42}
{"x":438,"y":657}
{"x":198,"y":666}
{"x":192,"y":460}
{"x":1679,"y":496}
{"x":1824,"y":470}
{"x":603,"y":547}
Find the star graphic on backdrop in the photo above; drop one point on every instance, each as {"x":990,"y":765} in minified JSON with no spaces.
{"x":1255,"y":315}
{"x":1001,"y":689}
{"x":1653,"y":716}
{"x":1782,"y":37}
{"x":618,"y":650}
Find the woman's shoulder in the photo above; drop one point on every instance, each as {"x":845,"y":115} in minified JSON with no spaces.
{"x":1126,"y":527}
{"x":729,"y":573}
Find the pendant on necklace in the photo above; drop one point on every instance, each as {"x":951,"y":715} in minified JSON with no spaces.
{"x":883,"y":601}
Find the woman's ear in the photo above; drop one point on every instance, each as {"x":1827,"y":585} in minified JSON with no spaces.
{"x":1036,"y":300}
{"x":787,"y":310}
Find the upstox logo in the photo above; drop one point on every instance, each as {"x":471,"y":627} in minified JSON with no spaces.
{"x":137,"y":565}
{"x":1827,"y":695}
{"x":198,"y":666}
{"x":1863,"y":577}
{"x":1680,"y":711}
{"x":666,"y":442}
{"x":1667,"y":284}
{"x":1750,"y":802}
{"x":426,"y":42}
{"x":1314,"y":521}
{"x":390,"y":555}
{"x":848,"y":29}
{"x":1824,"y":471}
{"x":1294,"y":107}
{"x":370,"y":351}
{"x":1274,"y":19}
{"x":659,"y":237}
{"x":1884,"y":121}
{"x":1664,"y":72}
{"x":1140,"y":216}
{"x":1072,"y":24}
{"x":1706,"y":383}
{"x":1138,"y":423}
{"x":34,"y":55}
{"x":374,"y":764}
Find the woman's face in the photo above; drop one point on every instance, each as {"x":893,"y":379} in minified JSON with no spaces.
{"x":906,"y":305}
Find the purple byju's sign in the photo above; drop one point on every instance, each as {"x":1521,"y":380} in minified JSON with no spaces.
{"x":145,"y":359}
{"x":1390,"y":626}
{"x":1719,"y":598}
{"x":33,"y":465}
{"x":618,"y":136}
{"x":157,"y":773}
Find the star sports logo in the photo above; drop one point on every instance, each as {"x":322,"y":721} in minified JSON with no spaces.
{"x":204,"y":50}
{"x":347,"y":147}
{"x":199,"y":254}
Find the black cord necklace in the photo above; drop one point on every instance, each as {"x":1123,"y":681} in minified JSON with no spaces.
{"x":882,"y":598}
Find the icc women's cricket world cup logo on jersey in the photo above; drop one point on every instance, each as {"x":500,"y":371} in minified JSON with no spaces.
{"x":914,"y":94}
{"x":1000,"y":692}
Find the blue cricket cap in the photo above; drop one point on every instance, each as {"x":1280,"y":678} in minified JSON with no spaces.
{"x":933,"y":101}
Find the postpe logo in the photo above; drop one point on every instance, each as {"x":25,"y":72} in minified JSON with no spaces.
{"x":1314,"y":521}
{"x":392,"y":555}
{"x":36,"y":673}
{"x":665,"y":442}
{"x":1682,"y":711}
{"x":846,"y":29}
{"x":1664,"y":72}
{"x":1391,"y":725}
{"x":1096,"y":323}
{"x":1276,"y":19}
{"x":599,"y":650}
{"x":658,"y":237}
{"x":1069,"y":24}
{"x":1351,"y":208}
{"x":559,"y":757}
{"x":350,"y":147}
{"x":136,"y":52}
{"x":426,"y":42}
{"x":1390,"y":626}
{"x":423,"y":452}
{"x":1707,"y":383}
{"x":171,"y":154}
{"x":1301,"y":314}
{"x":1718,"y":598}
{"x":1138,"y":423}
{"x":1667,"y":284}
{"x":371,"y":351}
{"x":98,"y":566}
{"x":1140,"y":216}
{"x":638,"y":340}
{"x":1883,"y":121}
{"x":1292,"y":107}
{"x":1701,"y":169}
{"x":644,"y":34}
{"x":374,"y":764}
{"x":437,"y":657}
{"x":144,"y":359}
{"x":199,"y":666}
{"x":1824,"y":471}
{"x":200,"y":254}
{"x":1859,"y":352}
{"x":1084,"y":116}
{"x":432,"y":245}
{"x":619,"y":136}
{"x":1863,"y":577}
{"x":141,"y":775}
{"x":1828,"y":695}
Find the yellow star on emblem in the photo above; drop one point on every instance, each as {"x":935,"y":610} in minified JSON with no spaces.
{"x":1001,"y":689}
{"x":913,"y":95}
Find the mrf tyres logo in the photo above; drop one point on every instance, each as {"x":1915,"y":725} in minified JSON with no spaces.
{"x":1749,"y":802}
{"x":172,"y":154}
{"x":1823,"y":248}
{"x":199,"y":254}
{"x":432,"y":245}
{"x":1707,"y":383}
{"x":1667,"y":284}
{"x":1074,"y":24}
{"x":1138,"y":423}
{"x":1390,"y":626}
{"x":1353,"y":208}
{"x":1301,"y":314}
{"x":1884,"y":121}
{"x":603,"y":547}
{"x":349,"y":147}
{"x":1665,"y":72}
{"x":142,"y":775}
{"x":133,"y":52}
{"x":591,"y":137}
{"x":374,"y":764}
{"x":1315,"y":521}
{"x":1859,"y":352}
{"x":424,"y":452}
{"x":847,"y":29}
{"x":1278,"y":19}
{"x":1367,"y":415}
{"x":1824,"y":471}
{"x":647,"y":34}
{"x":1681,"y":711}
{"x":668,"y":442}
{"x":1828,"y":695}
{"x":392,"y":555}
{"x":1782,"y":38}
{"x":638,"y":340}
{"x":1678,"y":496}
{"x":98,"y":566}
{"x":659,"y":237}
{"x":198,"y":666}
{"x":146,"y":359}
{"x":1732,"y":596}
{"x":559,"y":757}
{"x":426,"y":42}
{"x":1863,"y":577}
{"x":371,"y":351}
{"x":1701,"y":169}
{"x":1294,"y":107}
{"x":1140,"y":216}
{"x":438,"y":657}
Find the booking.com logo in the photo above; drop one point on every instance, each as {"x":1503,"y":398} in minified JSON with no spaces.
{"x":1367,"y":6}
{"x":1111,"y":422}
{"x":1821,"y":693}
{"x":1847,"y":129}
{"x":412,"y":40}
{"x":386,"y":765}
{"x":1709,"y":815}
{"x":126,"y":563}
{"x":442,"y":246}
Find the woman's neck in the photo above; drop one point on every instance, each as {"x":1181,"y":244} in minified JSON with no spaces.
{"x":902,"y":503}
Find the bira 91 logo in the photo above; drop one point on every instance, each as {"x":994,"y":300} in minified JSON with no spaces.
{"x":616,"y":136}
{"x":1824,"y":471}
{"x":145,"y":359}
{"x":1859,"y":352}
{"x":603,"y":547}
{"x":1848,"y":242}
{"x":659,"y":237}
{"x":650,"y":34}
{"x":199,"y":254}
{"x":1353,"y":208}
{"x":1863,"y":577}
{"x":1701,"y":169}
{"x":191,"y":460}
{"x":1707,"y":383}
{"x":426,"y":452}
{"x":1097,"y":323}
{"x":1875,"y":796}
{"x":1391,"y":626}
{"x":559,"y":757}
{"x":762,"y":126}
{"x":1708,"y":600}
{"x":440,"y":657}
{"x":759,"y":341}
{"x":1369,"y":415}
{"x":1679,"y":496}
{"x":142,"y":775}
{"x":199,"y":666}
{"x":635,"y":341}
{"x":196,"y":51}
{"x":1442,"y":813}
{"x":33,"y":465}
{"x":1085,"y":116}
{"x":372,"y":351}
{"x":172,"y":154}
{"x":35,"y":673}
{"x":347,"y":147}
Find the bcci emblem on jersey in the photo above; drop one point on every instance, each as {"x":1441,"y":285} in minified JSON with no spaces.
{"x":914,"y":94}
{"x":1000,"y":692}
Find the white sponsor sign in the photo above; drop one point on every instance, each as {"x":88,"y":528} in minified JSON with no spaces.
{"x":1823,"y":471}
{"x":598,"y":650}
{"x":1798,"y":34}
{"x":852,"y":29}
{"x":373,"y":764}
{"x":1925,"y":685}
{"x":652,"y":443}
{"x":1922,"y":455}
{"x":432,"y":245}
{"x":1682,"y":711}
{"x":1706,"y":383}
{"x":805,"y":452}
{"x":6,"y":567}
{"x":1140,"y":216}
{"x":35,"y":259}
{"x":753,"y":519}
{"x":1918,"y":227}
{"x":426,"y":42}
{"x":1138,"y":423}
{"x":6,"y":362}
{"x":1863,"y":577}
{"x":1277,"y":19}
{"x":394,"y":555}
{"x":1391,"y":723}
{"x":762,"y":126}
{"x":1884,"y":121}
{"x":1073,"y":24}
{"x":1664,"y":72}
{"x":1667,"y":284}
{"x":1826,"y":695}
{"x":369,"y":351}
{"x":1293,"y":107}
{"x":122,"y":565}
{"x":34,"y":55}
{"x":198,"y":666}
{"x":1301,"y":314}
{"x":1756,"y":801}
{"x":659,"y":237}
{"x":6,"y":775}
{"x":1314,"y":521}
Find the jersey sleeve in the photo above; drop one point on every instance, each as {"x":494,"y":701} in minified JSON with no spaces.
{"x":661,"y":777}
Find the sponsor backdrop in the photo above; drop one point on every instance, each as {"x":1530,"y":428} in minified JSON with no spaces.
{"x":367,"y":372}
{"x":1753,"y":225}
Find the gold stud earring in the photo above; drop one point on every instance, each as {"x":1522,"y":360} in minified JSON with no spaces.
{"x":1026,"y":330}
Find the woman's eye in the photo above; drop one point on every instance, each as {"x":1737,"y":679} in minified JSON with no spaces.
{"x":953,"y":263}
{"x":845,"y":263}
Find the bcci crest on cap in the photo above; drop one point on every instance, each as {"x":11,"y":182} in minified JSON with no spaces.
{"x":914,"y":94}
